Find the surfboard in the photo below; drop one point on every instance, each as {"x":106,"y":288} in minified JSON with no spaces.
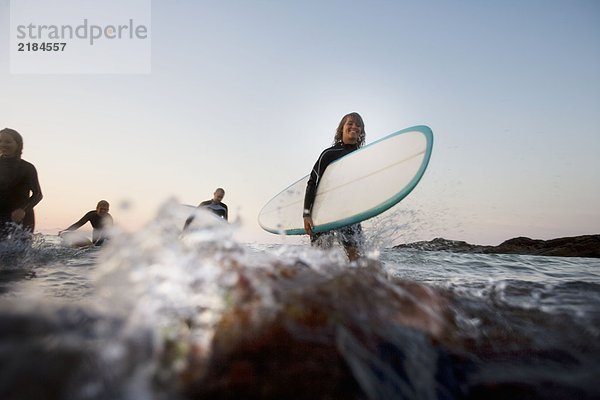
{"x":75,"y":239}
{"x":356,"y":187}
{"x":198,"y":217}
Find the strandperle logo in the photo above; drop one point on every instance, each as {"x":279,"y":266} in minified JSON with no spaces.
{"x":80,"y":36}
{"x":85,"y":31}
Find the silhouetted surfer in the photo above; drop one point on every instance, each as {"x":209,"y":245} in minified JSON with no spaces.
{"x":19,"y":186}
{"x":215,"y":205}
{"x":100,"y":220}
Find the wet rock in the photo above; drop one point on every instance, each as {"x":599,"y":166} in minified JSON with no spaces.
{"x":576,"y":246}
{"x":57,"y":353}
{"x":352,"y":335}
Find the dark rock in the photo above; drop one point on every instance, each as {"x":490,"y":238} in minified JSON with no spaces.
{"x":575,"y":246}
{"x":356,"y":334}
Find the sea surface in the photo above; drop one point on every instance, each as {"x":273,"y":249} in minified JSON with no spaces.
{"x":161,"y":314}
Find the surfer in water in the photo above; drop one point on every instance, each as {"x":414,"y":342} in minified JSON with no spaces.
{"x":100,"y":219}
{"x":349,"y":136}
{"x":19,"y":186}
{"x":215,"y":205}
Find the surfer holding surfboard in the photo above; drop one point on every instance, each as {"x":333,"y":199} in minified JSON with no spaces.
{"x":349,"y":136}
{"x":350,"y":183}
{"x":101,"y":222}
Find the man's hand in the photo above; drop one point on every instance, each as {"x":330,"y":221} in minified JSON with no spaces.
{"x":308,"y":225}
{"x":17,"y":215}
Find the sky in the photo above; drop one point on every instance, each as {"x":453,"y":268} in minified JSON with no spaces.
{"x":245,"y":95}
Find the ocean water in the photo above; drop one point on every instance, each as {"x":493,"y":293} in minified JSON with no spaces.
{"x":163,"y":315}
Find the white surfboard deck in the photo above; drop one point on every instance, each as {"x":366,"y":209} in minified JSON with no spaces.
{"x":75,"y":239}
{"x":203,"y":217}
{"x":356,"y":187}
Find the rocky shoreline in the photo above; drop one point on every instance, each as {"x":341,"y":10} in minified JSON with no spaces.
{"x":575,"y":246}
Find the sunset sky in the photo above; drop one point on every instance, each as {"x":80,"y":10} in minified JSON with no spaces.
{"x":244,"y":95}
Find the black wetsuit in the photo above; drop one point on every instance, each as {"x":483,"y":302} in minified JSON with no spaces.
{"x":219,"y":209}
{"x":349,"y":235}
{"x":99,"y":223}
{"x":19,"y":188}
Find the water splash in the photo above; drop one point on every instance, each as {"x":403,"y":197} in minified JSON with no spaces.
{"x":194,"y":314}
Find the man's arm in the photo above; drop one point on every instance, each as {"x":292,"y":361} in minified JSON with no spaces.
{"x":81,"y":222}
{"x":34,"y":186}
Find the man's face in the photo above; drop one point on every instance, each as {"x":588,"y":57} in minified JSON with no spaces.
{"x":218,"y":196}
{"x":8,"y":146}
{"x":102,"y":210}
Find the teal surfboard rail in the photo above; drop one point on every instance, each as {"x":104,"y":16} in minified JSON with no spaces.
{"x":380,"y":208}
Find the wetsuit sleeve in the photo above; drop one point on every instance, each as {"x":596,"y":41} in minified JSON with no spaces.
{"x":311,"y":186}
{"x":327,"y":157}
{"x":34,"y":186}
{"x":81,"y":222}
{"x":188,"y":222}
{"x":226,"y":212}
